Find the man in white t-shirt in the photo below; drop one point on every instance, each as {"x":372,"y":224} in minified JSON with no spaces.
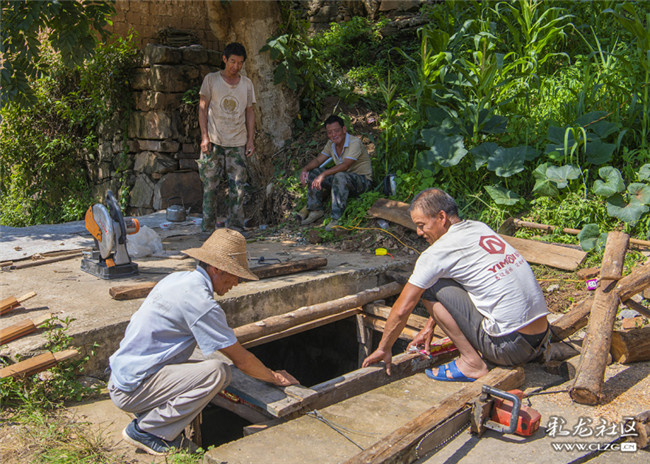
{"x":151,"y":374}
{"x":478,"y":288}
{"x":227,"y":121}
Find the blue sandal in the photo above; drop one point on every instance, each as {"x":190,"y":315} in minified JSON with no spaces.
{"x":456,"y":374}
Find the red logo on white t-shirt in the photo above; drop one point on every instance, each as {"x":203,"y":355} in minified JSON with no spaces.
{"x":492,"y":244}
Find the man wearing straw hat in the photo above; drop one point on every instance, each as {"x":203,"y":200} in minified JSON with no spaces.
{"x":150,"y":372}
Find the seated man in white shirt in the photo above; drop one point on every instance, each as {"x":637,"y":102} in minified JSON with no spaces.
{"x":479,"y":289}
{"x":150,"y":372}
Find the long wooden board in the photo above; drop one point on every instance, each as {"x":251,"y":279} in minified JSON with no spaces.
{"x":401,"y":445}
{"x":533,"y":251}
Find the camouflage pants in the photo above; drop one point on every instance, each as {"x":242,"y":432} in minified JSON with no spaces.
{"x":223,"y":163}
{"x":341,"y":184}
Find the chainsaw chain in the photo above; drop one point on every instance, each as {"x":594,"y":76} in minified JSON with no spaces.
{"x":442,"y":444}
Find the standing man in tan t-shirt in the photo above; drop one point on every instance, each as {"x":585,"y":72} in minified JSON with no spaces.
{"x":351,"y":174}
{"x":227,"y":121}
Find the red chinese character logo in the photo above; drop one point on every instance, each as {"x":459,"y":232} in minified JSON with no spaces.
{"x":492,"y":244}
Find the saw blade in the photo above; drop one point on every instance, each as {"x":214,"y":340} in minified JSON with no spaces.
{"x":105,"y":223}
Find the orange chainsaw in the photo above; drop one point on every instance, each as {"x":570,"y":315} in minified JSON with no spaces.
{"x":110,"y":258}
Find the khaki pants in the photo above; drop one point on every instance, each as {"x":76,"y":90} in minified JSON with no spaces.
{"x":170,"y":399}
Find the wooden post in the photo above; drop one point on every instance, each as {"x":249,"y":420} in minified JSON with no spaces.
{"x":631,"y":346}
{"x":589,"y":378}
{"x":401,"y":446}
{"x":305,"y":314}
{"x":364,"y":338}
{"x":193,"y":430}
{"x":22,"y":328}
{"x":37,"y":363}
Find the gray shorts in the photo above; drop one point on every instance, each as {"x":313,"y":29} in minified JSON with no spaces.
{"x":507,"y":350}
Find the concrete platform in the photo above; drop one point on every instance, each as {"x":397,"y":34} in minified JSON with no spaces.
{"x":97,"y":319}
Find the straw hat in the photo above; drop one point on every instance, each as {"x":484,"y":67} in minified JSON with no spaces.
{"x":225,"y":249}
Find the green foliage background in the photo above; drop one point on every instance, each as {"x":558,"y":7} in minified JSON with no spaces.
{"x":521,"y":107}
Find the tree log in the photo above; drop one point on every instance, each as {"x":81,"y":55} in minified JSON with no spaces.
{"x":290,"y":267}
{"x":37,"y":363}
{"x":305,"y":314}
{"x":569,"y":323}
{"x":631,"y":345}
{"x":633,"y":283}
{"x":401,"y":446}
{"x":587,"y":388}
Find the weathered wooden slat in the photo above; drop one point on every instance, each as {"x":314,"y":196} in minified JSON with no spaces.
{"x":22,"y":328}
{"x":130,"y":292}
{"x":11,"y":302}
{"x":401,"y":445}
{"x":37,"y":363}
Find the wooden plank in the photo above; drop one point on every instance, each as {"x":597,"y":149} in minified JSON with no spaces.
{"x":302,"y":328}
{"x":401,"y":446}
{"x":533,"y":251}
{"x":379,"y":324}
{"x":587,"y":388}
{"x":22,"y":328}
{"x":37,"y":363}
{"x":11,"y":302}
{"x":130,"y":292}
{"x":289,"y":267}
{"x":368,"y":378}
{"x":275,"y":324}
{"x":631,"y":345}
{"x":536,"y":252}
{"x":394,"y":211}
{"x":40,"y":262}
{"x":414,"y":321}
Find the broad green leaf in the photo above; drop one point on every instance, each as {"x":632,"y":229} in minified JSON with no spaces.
{"x":629,"y":213}
{"x":507,"y":162}
{"x":588,"y":236}
{"x":613,"y":182}
{"x":599,"y":152}
{"x":446,"y":150}
{"x":482,"y":153}
{"x":543,"y":185}
{"x":641,"y":192}
{"x":561,"y":175}
{"x":589,"y":118}
{"x":494,"y":124}
{"x":644,"y":172}
{"x":502,"y":196}
{"x":603,"y":129}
